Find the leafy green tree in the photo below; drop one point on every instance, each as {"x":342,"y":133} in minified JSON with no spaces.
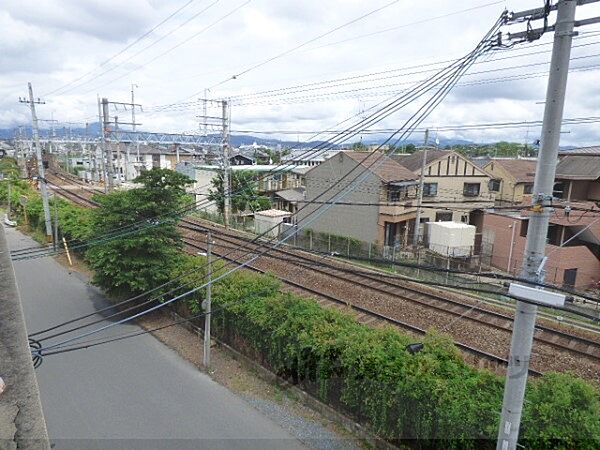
{"x":138,"y":260}
{"x":244,"y":192}
{"x":359,"y":147}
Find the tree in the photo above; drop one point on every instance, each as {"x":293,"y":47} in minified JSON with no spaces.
{"x":359,"y":147}
{"x":244,"y":192}
{"x":148,"y":243}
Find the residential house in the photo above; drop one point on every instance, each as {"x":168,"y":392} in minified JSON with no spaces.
{"x":573,"y":240}
{"x":288,"y":199}
{"x":270,"y":178}
{"x":378,"y":198}
{"x":239,"y":159}
{"x":573,"y":245}
{"x":455,"y":189}
{"x":578,"y":177}
{"x":309,"y":157}
{"x":513,"y":179}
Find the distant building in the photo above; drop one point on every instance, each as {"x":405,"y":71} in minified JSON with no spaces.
{"x":270,"y":178}
{"x":311,"y":157}
{"x":379,"y":210}
{"x":513,"y":179}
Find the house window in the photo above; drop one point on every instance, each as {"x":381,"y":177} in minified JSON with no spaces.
{"x":471,"y":189}
{"x":528,"y":188}
{"x":495,"y":185}
{"x":559,"y":190}
{"x":397,"y":193}
{"x":443,"y":216}
{"x":430,"y":189}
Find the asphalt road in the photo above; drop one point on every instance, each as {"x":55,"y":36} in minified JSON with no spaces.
{"x":135,"y":393}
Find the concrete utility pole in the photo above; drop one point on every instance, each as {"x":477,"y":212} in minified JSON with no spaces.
{"x":207,"y":305}
{"x":102,"y":146}
{"x":204,"y":111}
{"x":118,"y":146}
{"x":137,"y":142}
{"x":226,"y":168}
{"x":539,"y":216}
{"x":420,"y":197}
{"x":40,"y":163}
{"x":107,"y":149}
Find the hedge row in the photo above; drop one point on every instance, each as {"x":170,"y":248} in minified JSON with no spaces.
{"x":432,"y":399}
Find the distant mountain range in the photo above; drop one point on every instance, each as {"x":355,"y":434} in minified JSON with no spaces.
{"x":245,"y":139}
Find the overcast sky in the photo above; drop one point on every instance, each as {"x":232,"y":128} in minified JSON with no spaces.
{"x":62,"y":47}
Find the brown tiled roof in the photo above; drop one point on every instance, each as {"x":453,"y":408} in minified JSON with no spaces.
{"x":578,"y":168}
{"x":522,"y":170}
{"x":382,"y":165}
{"x":593,"y":150}
{"x":413,"y":162}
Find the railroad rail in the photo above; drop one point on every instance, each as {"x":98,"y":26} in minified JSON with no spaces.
{"x":566,"y":342}
{"x":389,"y":285}
{"x":363,"y":315}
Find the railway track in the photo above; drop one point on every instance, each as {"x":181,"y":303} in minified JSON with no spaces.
{"x":58,"y":182}
{"x":364,"y":315}
{"x":388,"y":285}
{"x":576,"y":345}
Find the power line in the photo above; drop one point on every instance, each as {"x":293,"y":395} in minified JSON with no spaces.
{"x":452,"y":73}
{"x":140,"y":38}
{"x":303,"y":44}
{"x":185,"y":41}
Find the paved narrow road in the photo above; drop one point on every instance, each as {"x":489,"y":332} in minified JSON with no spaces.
{"x":136,"y":393}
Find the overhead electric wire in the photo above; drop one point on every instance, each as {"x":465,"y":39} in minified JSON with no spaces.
{"x":123,"y":50}
{"x":143,"y":49}
{"x":169,"y":50}
{"x":169,"y":106}
{"x":353,"y":130}
{"x":303,"y":44}
{"x":416,"y":118}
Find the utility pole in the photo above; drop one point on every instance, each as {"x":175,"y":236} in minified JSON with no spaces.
{"x":208,"y":306}
{"x":226,"y":169}
{"x":102,"y":146}
{"x":539,"y":213}
{"x":9,"y":193}
{"x":204,"y":111}
{"x":137,"y":142}
{"x":420,"y":197}
{"x":118,"y":145}
{"x":55,"y":236}
{"x":107,"y":149}
{"x":40,"y":163}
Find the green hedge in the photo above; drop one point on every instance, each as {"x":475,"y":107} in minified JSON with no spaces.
{"x":429,"y":400}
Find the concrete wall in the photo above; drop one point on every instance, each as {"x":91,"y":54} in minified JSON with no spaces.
{"x":497,"y":231}
{"x":22,"y":423}
{"x":359,"y":222}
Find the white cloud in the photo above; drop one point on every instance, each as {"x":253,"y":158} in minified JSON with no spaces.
{"x":52,"y":43}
